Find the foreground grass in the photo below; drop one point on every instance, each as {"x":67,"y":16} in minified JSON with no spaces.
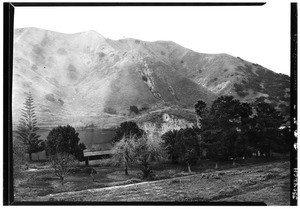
{"x":264,"y":182}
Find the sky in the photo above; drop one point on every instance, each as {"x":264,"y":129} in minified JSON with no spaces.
{"x":257,"y":34}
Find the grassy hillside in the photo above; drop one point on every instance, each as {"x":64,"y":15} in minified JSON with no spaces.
{"x":85,"y":78}
{"x":265,"y":182}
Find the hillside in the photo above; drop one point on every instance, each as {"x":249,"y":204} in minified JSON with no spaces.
{"x":267,"y":183}
{"x":86,"y":79}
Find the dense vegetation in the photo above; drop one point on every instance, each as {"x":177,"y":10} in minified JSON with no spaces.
{"x":64,"y":139}
{"x":27,"y":128}
{"x":226,"y":130}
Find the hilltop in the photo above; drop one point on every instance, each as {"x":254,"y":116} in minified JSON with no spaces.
{"x":85,"y":79}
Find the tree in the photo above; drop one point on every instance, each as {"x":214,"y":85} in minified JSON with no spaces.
{"x":127,"y":129}
{"x":266,"y":124}
{"x":139,"y":152}
{"x":62,"y":164}
{"x":123,"y":152}
{"x":64,"y":139}
{"x":200,"y":109}
{"x":224,"y":130}
{"x":187,"y":146}
{"x":147,"y":150}
{"x":134,"y":109}
{"x":182,"y":145}
{"x":169,"y":139}
{"x":27,"y":128}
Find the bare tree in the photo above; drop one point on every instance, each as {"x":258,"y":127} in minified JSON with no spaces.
{"x":62,"y":164}
{"x":123,"y":152}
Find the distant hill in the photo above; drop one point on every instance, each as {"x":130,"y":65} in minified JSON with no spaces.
{"x":85,"y":79}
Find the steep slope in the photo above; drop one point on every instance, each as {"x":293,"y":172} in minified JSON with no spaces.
{"x":86,"y":79}
{"x":224,"y":74}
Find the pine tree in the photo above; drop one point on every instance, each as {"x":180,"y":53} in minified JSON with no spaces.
{"x":27,"y":128}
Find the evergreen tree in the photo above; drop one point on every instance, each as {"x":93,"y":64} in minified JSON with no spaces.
{"x":187,"y":146}
{"x":266,"y":125}
{"x":201,"y":110}
{"x":27,"y":128}
{"x":127,"y":129}
{"x":169,"y":139}
{"x":225,"y":128}
{"x":64,"y":139}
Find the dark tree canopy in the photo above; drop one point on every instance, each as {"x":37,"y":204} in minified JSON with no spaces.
{"x":64,"y":139}
{"x":127,"y":129}
{"x":225,"y":128}
{"x":187,"y":145}
{"x":134,"y":109}
{"x":266,"y":133}
{"x":231,"y":129}
{"x":182,"y":145}
{"x":27,"y":128}
{"x":169,"y":139}
{"x":200,"y":107}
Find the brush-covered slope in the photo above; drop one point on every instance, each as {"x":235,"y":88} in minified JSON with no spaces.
{"x":224,"y":74}
{"x":84,"y":78}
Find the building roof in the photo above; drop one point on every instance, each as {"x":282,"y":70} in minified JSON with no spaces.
{"x":97,"y":153}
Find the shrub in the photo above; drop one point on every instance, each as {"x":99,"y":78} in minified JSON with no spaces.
{"x":140,"y":152}
{"x":169,"y":144}
{"x":145,"y":107}
{"x":64,"y":139}
{"x":213,"y":80}
{"x":144,"y":78}
{"x":134,"y":109}
{"x":123,"y":152}
{"x":110,"y":110}
{"x":182,"y":146}
{"x":127,"y":129}
{"x":62,"y":163}
{"x":101,"y":54}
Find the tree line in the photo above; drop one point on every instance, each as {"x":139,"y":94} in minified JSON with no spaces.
{"x":226,"y":130}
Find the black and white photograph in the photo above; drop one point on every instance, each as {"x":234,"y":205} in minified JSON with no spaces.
{"x":163,"y":103}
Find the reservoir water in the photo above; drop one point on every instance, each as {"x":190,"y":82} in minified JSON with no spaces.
{"x":89,"y":137}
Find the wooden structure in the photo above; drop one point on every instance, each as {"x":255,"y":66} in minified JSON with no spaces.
{"x":93,"y":155}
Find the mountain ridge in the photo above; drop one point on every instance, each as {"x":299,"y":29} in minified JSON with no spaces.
{"x":85,"y":78}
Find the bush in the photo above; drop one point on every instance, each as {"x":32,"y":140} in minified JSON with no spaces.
{"x":62,"y":163}
{"x":134,"y":109}
{"x":110,"y":110}
{"x":127,"y":129}
{"x":182,"y":146}
{"x":64,"y":139}
{"x":213,"y":80}
{"x":144,"y":78}
{"x":139,"y":151}
{"x":101,"y":54}
{"x":145,"y":107}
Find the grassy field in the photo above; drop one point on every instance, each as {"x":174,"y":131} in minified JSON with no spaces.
{"x":258,"y":180}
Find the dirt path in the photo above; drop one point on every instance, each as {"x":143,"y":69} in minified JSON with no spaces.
{"x":266,"y":183}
